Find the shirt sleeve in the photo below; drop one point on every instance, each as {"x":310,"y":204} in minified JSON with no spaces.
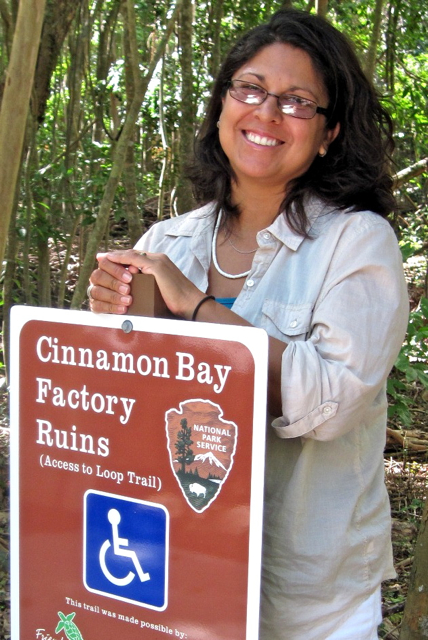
{"x":335,"y":379}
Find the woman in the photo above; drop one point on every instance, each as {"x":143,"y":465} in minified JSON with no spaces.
{"x":291,"y":164}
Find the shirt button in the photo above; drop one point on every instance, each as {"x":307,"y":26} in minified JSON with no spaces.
{"x":293,"y":324}
{"x":266,"y":235}
{"x":326,"y":410}
{"x":250,"y":283}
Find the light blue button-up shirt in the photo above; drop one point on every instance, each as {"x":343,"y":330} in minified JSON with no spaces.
{"x":339,"y":300}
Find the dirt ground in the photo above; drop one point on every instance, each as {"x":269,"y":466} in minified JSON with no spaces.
{"x":406,"y":474}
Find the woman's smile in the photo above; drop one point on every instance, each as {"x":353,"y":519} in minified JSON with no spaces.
{"x":262,"y":140}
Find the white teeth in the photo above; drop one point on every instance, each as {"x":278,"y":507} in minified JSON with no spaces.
{"x":265,"y":142}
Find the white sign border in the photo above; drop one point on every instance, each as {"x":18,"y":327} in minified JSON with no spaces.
{"x":256,"y":341}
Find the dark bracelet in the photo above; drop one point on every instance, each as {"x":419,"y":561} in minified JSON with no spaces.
{"x":199,"y":305}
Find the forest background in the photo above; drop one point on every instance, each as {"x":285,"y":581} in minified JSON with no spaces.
{"x":117,"y":94}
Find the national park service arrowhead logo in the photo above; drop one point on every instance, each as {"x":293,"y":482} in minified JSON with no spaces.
{"x":201,"y":448}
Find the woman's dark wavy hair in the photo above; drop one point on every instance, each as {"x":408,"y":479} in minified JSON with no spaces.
{"x":355,"y":172}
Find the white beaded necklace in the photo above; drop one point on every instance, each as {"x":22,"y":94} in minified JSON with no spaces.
{"x":214,"y":255}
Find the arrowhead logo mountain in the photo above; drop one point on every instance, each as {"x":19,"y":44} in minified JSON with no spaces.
{"x":201,"y":448}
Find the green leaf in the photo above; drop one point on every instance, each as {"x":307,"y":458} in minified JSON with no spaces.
{"x":401,"y":411}
{"x":392,"y":384}
{"x":407,"y":250}
{"x":424,"y":307}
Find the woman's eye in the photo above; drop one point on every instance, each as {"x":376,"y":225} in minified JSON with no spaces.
{"x":251,"y":88}
{"x":295,"y":101}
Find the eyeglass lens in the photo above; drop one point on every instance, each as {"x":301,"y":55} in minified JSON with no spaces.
{"x":289,"y":104}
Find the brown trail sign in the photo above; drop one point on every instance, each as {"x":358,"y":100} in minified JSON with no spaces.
{"x":137,"y":462}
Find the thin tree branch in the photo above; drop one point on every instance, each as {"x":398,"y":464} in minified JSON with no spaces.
{"x":413,"y":171}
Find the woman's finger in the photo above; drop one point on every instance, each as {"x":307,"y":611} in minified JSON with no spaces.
{"x":98,"y":306}
{"x":103,"y":294}
{"x":130,"y":258}
{"x":117,"y":282}
{"x":116,"y":269}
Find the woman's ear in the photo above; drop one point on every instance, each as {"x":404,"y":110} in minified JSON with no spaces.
{"x":331,"y":134}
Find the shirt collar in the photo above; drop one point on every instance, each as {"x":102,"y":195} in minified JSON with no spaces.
{"x":185,"y":225}
{"x":280,"y":228}
{"x":201,"y":219}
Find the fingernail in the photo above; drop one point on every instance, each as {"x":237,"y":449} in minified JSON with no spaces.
{"x":126,"y":277}
{"x":123,"y":288}
{"x":126,"y":300}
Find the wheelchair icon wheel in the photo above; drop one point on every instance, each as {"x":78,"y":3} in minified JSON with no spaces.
{"x":120,"y":582}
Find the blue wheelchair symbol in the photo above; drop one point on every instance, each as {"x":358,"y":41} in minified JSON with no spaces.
{"x":126,"y":549}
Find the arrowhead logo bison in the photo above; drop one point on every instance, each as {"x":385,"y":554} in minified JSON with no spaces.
{"x":201,"y":447}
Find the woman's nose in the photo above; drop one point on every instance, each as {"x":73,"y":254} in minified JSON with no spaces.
{"x":269,"y":109}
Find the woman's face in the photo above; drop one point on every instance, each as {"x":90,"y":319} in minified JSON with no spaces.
{"x":261,"y":142}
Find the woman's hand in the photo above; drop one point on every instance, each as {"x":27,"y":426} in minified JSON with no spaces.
{"x":111,"y":289}
{"x":110,"y":293}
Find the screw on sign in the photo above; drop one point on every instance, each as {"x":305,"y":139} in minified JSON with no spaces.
{"x":70,"y":629}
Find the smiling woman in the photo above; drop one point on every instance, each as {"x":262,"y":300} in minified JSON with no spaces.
{"x":291,"y":170}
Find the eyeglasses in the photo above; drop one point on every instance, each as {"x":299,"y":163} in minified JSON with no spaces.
{"x":290,"y":105}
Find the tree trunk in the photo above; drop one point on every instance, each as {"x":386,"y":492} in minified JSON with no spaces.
{"x":8,"y":23}
{"x":14,"y":107}
{"x":415,"y":621}
{"x":165,"y":146}
{"x":371,"y":57}
{"x":43,"y":272}
{"x":391,"y":39}
{"x":8,"y":285}
{"x":59,"y":16}
{"x":30,"y":166}
{"x":321,"y":7}
{"x":106,"y":36}
{"x":117,"y":168}
{"x":216,"y":37}
{"x":64,"y":267}
{"x":132,"y":73}
{"x":185,"y":201}
{"x":135,"y":226}
{"x":79,"y":46}
{"x":78,"y":51}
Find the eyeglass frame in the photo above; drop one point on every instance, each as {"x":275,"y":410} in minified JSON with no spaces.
{"x":322,"y":110}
